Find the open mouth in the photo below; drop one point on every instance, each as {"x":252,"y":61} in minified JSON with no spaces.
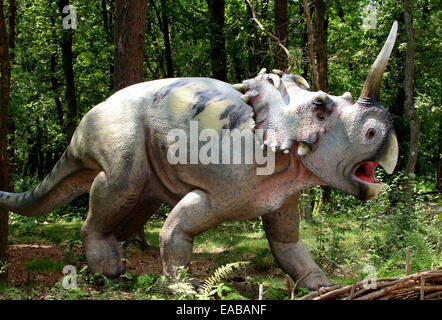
{"x":365,"y":171}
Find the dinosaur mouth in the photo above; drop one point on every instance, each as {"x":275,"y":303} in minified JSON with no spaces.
{"x":365,"y":172}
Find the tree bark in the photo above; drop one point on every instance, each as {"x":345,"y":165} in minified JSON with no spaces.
{"x":281,"y":26}
{"x":321,"y":25}
{"x":55,"y":84}
{"x":310,"y":45}
{"x":166,"y":36}
{"x":304,"y":46}
{"x":409,"y":105}
{"x":5,"y":88}
{"x":163,"y":20}
{"x":439,"y":157}
{"x":218,"y":58}
{"x":12,"y":10}
{"x":67,"y":57}
{"x":409,"y":90}
{"x":107,"y":15}
{"x":129,"y":39}
{"x":320,"y":44}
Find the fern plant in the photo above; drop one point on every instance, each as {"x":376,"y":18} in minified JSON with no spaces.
{"x":211,"y":284}
{"x":182,"y":287}
{"x":423,"y":256}
{"x":3,"y":266}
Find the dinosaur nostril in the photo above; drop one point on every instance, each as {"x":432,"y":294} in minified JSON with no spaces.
{"x":371,"y":133}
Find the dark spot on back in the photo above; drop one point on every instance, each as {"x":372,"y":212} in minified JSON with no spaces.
{"x":199,"y":108}
{"x":236,"y":118}
{"x":164,"y":91}
{"x":202,"y":98}
{"x":227,"y":111}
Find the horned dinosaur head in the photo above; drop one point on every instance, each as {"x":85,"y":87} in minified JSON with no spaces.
{"x":339,"y":140}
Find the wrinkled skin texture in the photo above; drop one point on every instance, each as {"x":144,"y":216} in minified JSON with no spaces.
{"x":118,"y":154}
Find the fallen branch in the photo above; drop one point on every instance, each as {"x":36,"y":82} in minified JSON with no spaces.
{"x":426,"y":284}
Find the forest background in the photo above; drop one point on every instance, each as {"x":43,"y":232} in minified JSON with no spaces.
{"x":50,"y":76}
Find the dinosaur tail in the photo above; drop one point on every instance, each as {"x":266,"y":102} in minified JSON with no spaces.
{"x":67,"y":180}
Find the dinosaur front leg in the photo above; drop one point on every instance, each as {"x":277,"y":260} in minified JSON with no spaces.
{"x":282,"y":230}
{"x":193,"y":215}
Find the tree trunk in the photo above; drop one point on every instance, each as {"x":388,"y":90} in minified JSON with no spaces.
{"x":304,"y":46}
{"x":320,"y":44}
{"x":107,"y":15}
{"x":129,"y":57}
{"x":68,"y":68}
{"x":252,"y":43}
{"x":281,"y":26}
{"x":163,"y":20}
{"x":439,"y":157}
{"x":310,"y":45}
{"x":321,"y":25}
{"x":12,"y":9}
{"x":166,"y":35}
{"x":129,"y":42}
{"x":218,"y":59}
{"x":55,"y":84}
{"x":5,"y":88}
{"x":409,"y":89}
{"x":411,"y":115}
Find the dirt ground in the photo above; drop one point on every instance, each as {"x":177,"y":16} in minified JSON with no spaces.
{"x":139,"y":262}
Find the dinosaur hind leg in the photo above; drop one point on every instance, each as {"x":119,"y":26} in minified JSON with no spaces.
{"x":111,"y":200}
{"x":139,"y":215}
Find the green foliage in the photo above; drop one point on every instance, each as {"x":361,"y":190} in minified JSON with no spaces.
{"x":44,"y":264}
{"x":263,"y":260}
{"x":346,"y":234}
{"x":145,"y":281}
{"x":350,"y":235}
{"x":423,"y":256}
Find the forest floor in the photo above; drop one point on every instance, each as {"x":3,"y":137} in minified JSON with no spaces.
{"x":39,"y":250}
{"x":37,"y":255}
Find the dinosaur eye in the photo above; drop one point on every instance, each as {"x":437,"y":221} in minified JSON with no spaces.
{"x":320,"y":116}
{"x":371,"y":133}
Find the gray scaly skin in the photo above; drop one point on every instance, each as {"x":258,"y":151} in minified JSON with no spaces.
{"x":118,"y":154}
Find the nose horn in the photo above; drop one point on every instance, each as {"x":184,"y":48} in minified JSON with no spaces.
{"x":372,"y":85}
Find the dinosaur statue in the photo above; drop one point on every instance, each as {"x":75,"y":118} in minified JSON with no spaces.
{"x":119,"y":155}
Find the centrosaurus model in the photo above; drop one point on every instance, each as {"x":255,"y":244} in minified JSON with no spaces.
{"x":120,"y":154}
